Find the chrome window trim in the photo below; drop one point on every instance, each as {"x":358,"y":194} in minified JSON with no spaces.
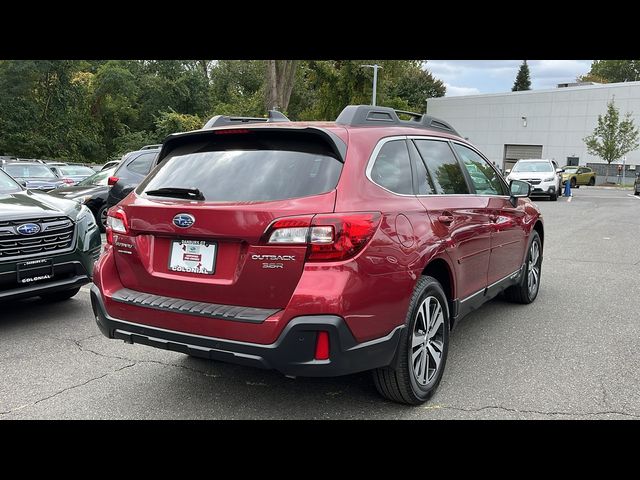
{"x":374,"y":156}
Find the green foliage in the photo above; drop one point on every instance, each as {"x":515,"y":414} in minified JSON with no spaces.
{"x":612,"y":138}
{"x":612,"y":71}
{"x":523,"y":79}
{"x":172,"y":122}
{"x":88,"y":110}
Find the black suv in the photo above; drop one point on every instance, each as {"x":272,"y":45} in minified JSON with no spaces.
{"x":47,"y":245}
{"x":133,"y":167}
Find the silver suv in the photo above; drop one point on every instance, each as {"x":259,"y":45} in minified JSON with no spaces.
{"x":543,"y":175}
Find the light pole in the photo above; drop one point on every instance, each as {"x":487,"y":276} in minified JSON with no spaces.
{"x":375,"y":81}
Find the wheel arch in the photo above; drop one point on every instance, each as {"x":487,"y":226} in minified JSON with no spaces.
{"x":442,"y":271}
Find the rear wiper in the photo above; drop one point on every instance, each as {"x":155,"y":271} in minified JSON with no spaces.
{"x":190,"y":193}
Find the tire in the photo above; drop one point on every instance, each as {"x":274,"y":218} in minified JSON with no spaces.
{"x":412,"y":382}
{"x":592,"y":182}
{"x":573,"y":182}
{"x":101,"y":218}
{"x":523,"y":292}
{"x":637,"y":192}
{"x":59,"y":296}
{"x":553,"y":197}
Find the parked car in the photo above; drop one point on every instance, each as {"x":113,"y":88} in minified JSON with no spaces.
{"x":542,"y":174}
{"x":74,"y":173}
{"x":578,"y":176}
{"x":636,"y":184}
{"x":110,"y":165}
{"x":34,"y":175}
{"x":133,"y":167}
{"x":317,"y":248}
{"x":47,"y":245}
{"x":92,"y":192}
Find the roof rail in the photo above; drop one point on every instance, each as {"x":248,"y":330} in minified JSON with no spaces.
{"x":368,"y":115}
{"x":220,"y":120}
{"x":149,"y":147}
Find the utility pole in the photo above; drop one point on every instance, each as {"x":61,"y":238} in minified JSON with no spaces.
{"x":375,"y":81}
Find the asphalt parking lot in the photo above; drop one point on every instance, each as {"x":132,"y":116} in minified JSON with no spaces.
{"x":572,"y":354}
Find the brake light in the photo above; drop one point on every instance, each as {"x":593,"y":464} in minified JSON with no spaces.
{"x":330,"y":237}
{"x":337,"y":237}
{"x":116,"y":222}
{"x":112,"y":181}
{"x":231,"y":132}
{"x":68,"y":181}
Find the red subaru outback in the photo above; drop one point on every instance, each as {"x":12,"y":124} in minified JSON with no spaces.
{"x":317,"y":248}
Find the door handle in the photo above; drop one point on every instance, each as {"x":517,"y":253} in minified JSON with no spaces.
{"x":446,"y":219}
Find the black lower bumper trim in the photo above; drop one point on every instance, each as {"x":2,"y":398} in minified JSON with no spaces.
{"x":292,"y":353}
{"x":74,"y":275}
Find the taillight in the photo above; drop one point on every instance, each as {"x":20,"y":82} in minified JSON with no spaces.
{"x":330,"y":237}
{"x":116,"y":222}
{"x":68,"y":181}
{"x":341,"y":236}
{"x":112,"y":181}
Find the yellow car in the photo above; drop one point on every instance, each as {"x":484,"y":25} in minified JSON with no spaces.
{"x":578,"y":175}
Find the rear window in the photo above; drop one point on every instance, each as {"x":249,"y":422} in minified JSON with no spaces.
{"x":251,"y":167}
{"x":76,"y":170}
{"x":29,"y":170}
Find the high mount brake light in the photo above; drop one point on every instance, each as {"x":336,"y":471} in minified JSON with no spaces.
{"x":331,"y":237}
{"x":231,"y":132}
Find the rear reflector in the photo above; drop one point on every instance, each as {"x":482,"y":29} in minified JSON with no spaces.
{"x":322,"y":346}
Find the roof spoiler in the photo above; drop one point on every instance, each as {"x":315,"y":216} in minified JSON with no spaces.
{"x":368,"y":115}
{"x":222,"y":120}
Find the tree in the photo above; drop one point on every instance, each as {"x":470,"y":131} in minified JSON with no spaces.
{"x":616,"y":70}
{"x":416,"y":86}
{"x":280,"y":79}
{"x":523,"y":80}
{"x":612,"y":138}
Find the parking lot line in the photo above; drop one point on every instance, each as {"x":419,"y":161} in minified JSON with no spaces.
{"x":637,"y":197}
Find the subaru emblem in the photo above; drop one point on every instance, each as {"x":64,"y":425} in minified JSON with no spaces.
{"x":184,"y":220}
{"x":28,"y":229}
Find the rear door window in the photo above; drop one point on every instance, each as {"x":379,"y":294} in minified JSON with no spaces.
{"x":142,"y":164}
{"x":392,"y":168}
{"x":251,"y":167}
{"x":443,"y":167}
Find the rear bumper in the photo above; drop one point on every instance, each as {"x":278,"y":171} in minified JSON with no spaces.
{"x":291,"y":354}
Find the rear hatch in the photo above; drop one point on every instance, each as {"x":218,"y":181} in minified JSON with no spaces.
{"x":197,"y":224}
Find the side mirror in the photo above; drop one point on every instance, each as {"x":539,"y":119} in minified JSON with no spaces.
{"x":23,"y":183}
{"x":507,"y":171}
{"x":559,"y":170}
{"x":518,"y":189}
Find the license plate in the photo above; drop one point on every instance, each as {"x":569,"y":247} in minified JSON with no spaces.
{"x":193,"y":256}
{"x":35,"y":270}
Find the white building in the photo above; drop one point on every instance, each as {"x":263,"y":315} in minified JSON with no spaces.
{"x":538,"y":123}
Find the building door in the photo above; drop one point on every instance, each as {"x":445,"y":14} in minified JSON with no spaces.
{"x":513,"y":153}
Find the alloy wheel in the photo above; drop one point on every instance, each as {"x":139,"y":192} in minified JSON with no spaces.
{"x":533,"y":268}
{"x":427,"y":342}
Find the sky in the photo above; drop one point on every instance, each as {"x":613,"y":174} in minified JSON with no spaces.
{"x":472,"y":77}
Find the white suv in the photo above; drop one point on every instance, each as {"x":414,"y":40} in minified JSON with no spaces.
{"x":543,"y":175}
